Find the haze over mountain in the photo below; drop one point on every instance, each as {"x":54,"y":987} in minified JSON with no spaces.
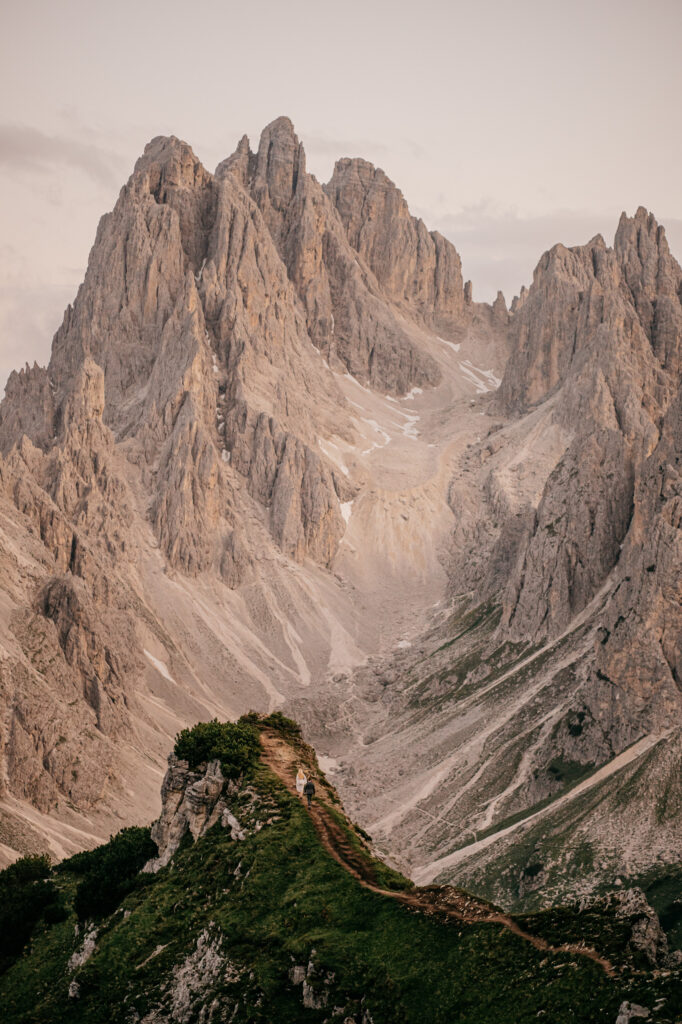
{"x":280,"y":456}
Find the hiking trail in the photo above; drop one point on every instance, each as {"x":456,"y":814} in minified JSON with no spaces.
{"x":444,"y":901}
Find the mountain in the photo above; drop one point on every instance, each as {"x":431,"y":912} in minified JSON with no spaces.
{"x":537,"y":727}
{"x":172,"y":499}
{"x":257,"y":910}
{"x":280,"y":457}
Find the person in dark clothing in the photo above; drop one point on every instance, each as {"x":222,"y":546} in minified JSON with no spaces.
{"x":309,"y":791}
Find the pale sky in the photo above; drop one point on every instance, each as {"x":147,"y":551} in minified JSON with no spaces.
{"x":509,"y":126}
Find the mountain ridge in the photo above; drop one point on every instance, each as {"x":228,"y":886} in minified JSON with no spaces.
{"x":278,"y":912}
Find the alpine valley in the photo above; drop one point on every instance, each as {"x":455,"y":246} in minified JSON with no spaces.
{"x":282,"y":459}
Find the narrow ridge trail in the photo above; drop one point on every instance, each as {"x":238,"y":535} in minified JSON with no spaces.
{"x":444,"y":901}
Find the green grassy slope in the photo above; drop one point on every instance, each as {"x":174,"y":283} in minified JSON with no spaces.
{"x":273,"y":929}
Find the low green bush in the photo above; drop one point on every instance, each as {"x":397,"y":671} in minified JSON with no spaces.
{"x":235,"y":744}
{"x":286,"y":726}
{"x":27,"y":895}
{"x":110,"y":871}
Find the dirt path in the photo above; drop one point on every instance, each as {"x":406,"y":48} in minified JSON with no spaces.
{"x":442,"y":901}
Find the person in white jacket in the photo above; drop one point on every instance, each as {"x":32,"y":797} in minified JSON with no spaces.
{"x":301,"y":780}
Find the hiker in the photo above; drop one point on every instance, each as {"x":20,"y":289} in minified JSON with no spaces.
{"x":301,"y":780}
{"x":309,"y":791}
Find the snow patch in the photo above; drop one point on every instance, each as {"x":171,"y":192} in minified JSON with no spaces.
{"x":455,"y":346}
{"x":403,"y":644}
{"x":160,"y":666}
{"x":411,"y":394}
{"x":333,"y":456}
{"x":380,"y":430}
{"x":347,"y":510}
{"x":409,"y":429}
{"x":225,"y":455}
{"x":483,"y":380}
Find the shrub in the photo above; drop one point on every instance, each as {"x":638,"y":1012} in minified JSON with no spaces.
{"x":235,"y":744}
{"x":287,"y":726}
{"x":26,"y":869}
{"x":110,"y":871}
{"x":26,"y":896}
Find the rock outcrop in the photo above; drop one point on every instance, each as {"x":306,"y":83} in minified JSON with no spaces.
{"x":195,"y":801}
{"x":191,"y":801}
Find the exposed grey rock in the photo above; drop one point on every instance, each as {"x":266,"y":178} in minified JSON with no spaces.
{"x":631,"y":1011}
{"x":199,"y":971}
{"x":647,"y":935}
{"x":417,"y":269}
{"x":348,"y":311}
{"x":190,"y":802}
{"x":87,"y":948}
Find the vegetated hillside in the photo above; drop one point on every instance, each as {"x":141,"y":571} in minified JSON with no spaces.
{"x":499,"y":787}
{"x":274,"y":914}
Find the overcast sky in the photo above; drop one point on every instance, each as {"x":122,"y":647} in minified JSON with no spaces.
{"x":508,"y":126}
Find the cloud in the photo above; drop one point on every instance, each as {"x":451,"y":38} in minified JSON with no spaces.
{"x":29,"y":317}
{"x":341,"y":147}
{"x":28,"y":149}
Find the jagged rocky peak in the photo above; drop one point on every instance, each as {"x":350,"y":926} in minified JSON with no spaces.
{"x":272,"y":174}
{"x":349,"y":303}
{"x":654,"y":278}
{"x":601,"y":331}
{"x":519,"y":300}
{"x":500,"y":311}
{"x":417,"y":268}
{"x":595,"y":302}
{"x":28,"y":407}
{"x":545,"y":324}
{"x":170,"y":163}
{"x":280,"y":162}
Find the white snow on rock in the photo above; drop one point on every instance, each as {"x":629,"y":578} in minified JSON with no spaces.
{"x":455,"y":346}
{"x":346,"y":510}
{"x":160,"y":666}
{"x":483,"y":380}
{"x":335,"y":455}
{"x":409,"y":429}
{"x":380,"y":431}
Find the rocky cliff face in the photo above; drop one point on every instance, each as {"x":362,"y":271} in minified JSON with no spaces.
{"x":420,"y":270}
{"x":347,"y":295}
{"x":587,"y":335}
